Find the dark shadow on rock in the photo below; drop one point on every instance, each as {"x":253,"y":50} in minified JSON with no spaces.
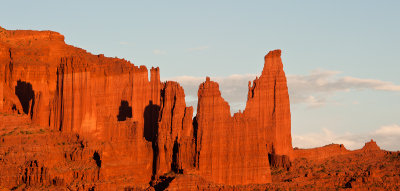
{"x":26,"y":96}
{"x":151,"y":115}
{"x":195,"y":132}
{"x":125,"y":111}
{"x":96,"y":157}
{"x":175,"y":155}
{"x":164,"y":183}
{"x":279,"y":161}
{"x":195,"y":128}
{"x":14,"y":108}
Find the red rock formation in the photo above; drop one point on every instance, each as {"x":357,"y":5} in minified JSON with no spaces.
{"x":29,"y":59}
{"x":109,"y":101}
{"x":279,"y":161}
{"x":321,"y":152}
{"x":354,"y":170}
{"x":70,"y":90}
{"x":174,"y":134}
{"x":228,"y":152}
{"x":70,"y":119}
{"x":142,"y":128}
{"x":268,"y":107}
{"x":370,"y":146}
{"x":33,"y":156}
{"x":263,"y":127}
{"x":333,"y":150}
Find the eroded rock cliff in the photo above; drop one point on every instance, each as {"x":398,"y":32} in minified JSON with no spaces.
{"x":70,"y":119}
{"x":109,"y":101}
{"x":228,"y":151}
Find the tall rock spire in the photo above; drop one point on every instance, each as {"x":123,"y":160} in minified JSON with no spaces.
{"x":236,"y":150}
{"x":268,"y":105}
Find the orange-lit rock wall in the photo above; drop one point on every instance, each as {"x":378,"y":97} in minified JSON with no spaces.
{"x":137,"y":126}
{"x":227,"y":151}
{"x":235,"y":150}
{"x":268,"y":107}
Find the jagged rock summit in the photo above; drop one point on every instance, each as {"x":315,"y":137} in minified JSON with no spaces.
{"x":73,"y":120}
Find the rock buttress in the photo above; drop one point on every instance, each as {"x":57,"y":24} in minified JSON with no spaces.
{"x":236,"y":150}
{"x":175,"y":145}
{"x":70,"y":90}
{"x":114,"y":102}
{"x":141,"y":128}
{"x":227,"y":151}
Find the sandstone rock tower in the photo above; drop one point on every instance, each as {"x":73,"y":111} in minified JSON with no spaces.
{"x":129,"y":129}
{"x":235,"y":150}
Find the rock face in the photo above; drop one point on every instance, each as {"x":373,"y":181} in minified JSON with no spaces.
{"x":227,"y":151}
{"x":106,"y":100}
{"x":268,"y":106}
{"x":235,"y":150}
{"x":77,"y":121}
{"x":32,"y":156}
{"x":174,"y":142}
{"x":131,"y":131}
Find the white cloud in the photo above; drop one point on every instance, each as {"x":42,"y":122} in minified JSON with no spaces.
{"x":199,"y":48}
{"x":387,"y":137}
{"x":388,"y":130}
{"x":322,"y":84}
{"x":312,"y":90}
{"x":318,"y":139}
{"x":370,"y":83}
{"x":312,"y":101}
{"x":159,"y":52}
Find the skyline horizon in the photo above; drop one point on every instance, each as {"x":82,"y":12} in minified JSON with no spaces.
{"x":297,"y":140}
{"x":341,"y":62}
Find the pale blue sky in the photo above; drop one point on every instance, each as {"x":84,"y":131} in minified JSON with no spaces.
{"x":220,"y":38}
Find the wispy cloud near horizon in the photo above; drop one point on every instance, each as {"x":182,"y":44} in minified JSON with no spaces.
{"x":313,"y":90}
{"x":387,"y":137}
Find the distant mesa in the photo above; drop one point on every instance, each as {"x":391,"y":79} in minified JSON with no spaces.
{"x":371,"y":146}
